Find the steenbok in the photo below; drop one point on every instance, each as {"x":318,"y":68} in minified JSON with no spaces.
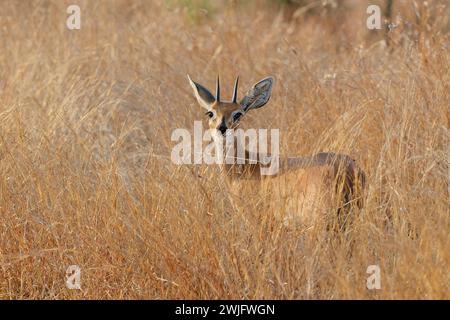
{"x":303,"y":188}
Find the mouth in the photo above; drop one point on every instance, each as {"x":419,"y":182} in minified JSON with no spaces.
{"x":227,"y":133}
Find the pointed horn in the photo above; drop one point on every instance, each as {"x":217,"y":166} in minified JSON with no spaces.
{"x":218,"y":89}
{"x":235,"y":90}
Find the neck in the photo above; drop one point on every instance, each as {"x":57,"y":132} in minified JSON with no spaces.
{"x":235,"y":161}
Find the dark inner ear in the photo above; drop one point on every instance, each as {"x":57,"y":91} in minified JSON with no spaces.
{"x":254,"y":101}
{"x":246,"y":102}
{"x":258,"y":95}
{"x":204,"y":93}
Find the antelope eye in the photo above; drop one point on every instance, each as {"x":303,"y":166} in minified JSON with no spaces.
{"x":237,"y":116}
{"x":210,"y":114}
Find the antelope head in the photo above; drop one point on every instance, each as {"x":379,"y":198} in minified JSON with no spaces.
{"x":224,"y":115}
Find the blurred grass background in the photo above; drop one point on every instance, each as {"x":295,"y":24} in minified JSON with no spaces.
{"x":86,"y":118}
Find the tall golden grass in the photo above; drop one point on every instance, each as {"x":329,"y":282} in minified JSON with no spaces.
{"x":85,"y":140}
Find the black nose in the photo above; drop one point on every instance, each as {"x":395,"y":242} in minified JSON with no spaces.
{"x":223,"y":129}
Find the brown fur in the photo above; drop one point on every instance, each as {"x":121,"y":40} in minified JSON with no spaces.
{"x":304,"y":188}
{"x":223,"y":112}
{"x":307,"y":186}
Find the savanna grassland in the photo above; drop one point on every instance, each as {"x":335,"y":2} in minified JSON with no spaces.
{"x":86,"y":118}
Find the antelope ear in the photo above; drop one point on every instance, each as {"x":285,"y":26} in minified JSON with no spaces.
{"x":258,"y":95}
{"x":204,"y":97}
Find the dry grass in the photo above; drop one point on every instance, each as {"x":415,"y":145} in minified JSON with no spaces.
{"x":86,"y":178}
